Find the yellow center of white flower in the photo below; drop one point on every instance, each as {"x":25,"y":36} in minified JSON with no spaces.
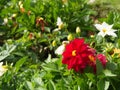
{"x":104,"y":30}
{"x":61,"y":26}
{"x":74,"y":53}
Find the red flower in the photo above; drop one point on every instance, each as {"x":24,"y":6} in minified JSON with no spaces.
{"x":102,"y":59}
{"x":76,"y":55}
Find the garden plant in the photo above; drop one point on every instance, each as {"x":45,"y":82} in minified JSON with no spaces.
{"x":59,"y":45}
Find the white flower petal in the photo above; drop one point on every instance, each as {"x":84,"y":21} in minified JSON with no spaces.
{"x":59,"y":21}
{"x":98,"y":26}
{"x":107,"y":26}
{"x":55,"y":30}
{"x":2,"y":69}
{"x":105,"y":29}
{"x":102,"y":34}
{"x":1,"y":63}
{"x":112,"y":34}
{"x":113,"y":30}
{"x":60,"y":50}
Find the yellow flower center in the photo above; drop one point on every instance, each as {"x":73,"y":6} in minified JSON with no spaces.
{"x":61,"y":26}
{"x":91,"y":58}
{"x":104,"y":30}
{"x":74,"y":53}
{"x":64,"y":1}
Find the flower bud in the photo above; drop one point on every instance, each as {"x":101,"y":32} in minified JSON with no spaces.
{"x":22,"y":10}
{"x":14,"y":15}
{"x":21,"y":6}
{"x":78,"y":30}
{"x":9,"y":41}
{"x":70,"y":37}
{"x":54,"y":43}
{"x":31,"y":36}
{"x":92,"y":36}
{"x":19,"y":3}
{"x":5,"y":21}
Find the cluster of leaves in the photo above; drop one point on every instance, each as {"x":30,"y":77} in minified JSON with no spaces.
{"x":27,"y":45}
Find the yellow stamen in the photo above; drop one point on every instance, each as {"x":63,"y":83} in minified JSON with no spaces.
{"x":92,"y":59}
{"x":104,"y":30}
{"x":74,"y":53}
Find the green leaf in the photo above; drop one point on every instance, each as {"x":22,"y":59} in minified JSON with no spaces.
{"x":107,"y":84}
{"x":51,"y":85}
{"x":99,"y":67}
{"x":50,"y":67}
{"x":111,"y":66}
{"x":29,"y":85}
{"x":99,"y":39}
{"x":38,"y":81}
{"x":103,"y":85}
{"x":6,"y":53}
{"x":109,"y":73}
{"x":32,"y":19}
{"x":20,"y":63}
{"x":21,"y":29}
{"x":91,"y":76}
{"x":40,"y":88}
{"x":76,"y":87}
{"x":47,"y":29}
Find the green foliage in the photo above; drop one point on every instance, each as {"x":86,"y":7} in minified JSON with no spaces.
{"x":29,"y":37}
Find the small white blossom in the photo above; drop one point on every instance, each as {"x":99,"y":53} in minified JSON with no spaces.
{"x":91,"y":1}
{"x":14,"y":15}
{"x":5,"y":21}
{"x":19,"y":3}
{"x":105,"y":29}
{"x":59,"y":23}
{"x":61,"y":48}
{"x":3,"y":69}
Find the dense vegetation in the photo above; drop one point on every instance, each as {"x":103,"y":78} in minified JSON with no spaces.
{"x":41,"y":39}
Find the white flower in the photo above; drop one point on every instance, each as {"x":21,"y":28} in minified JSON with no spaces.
{"x":3,"y":69}
{"x":14,"y":15}
{"x":59,"y":23}
{"x":105,"y":29}
{"x":5,"y":21}
{"x":91,"y":1}
{"x":61,"y":48}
